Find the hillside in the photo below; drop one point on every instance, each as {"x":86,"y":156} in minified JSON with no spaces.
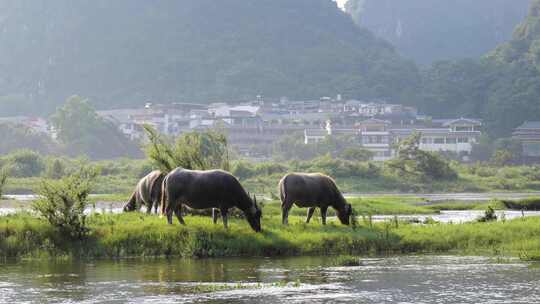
{"x":503,"y":87}
{"x":125,"y":52}
{"x":431,"y":30}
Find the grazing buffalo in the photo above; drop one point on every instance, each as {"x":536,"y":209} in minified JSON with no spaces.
{"x":204,"y":190}
{"x":312,"y":191}
{"x":147,"y":193}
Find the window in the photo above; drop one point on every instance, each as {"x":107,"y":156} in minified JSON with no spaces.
{"x":463,"y":140}
{"x":451,"y":140}
{"x":438,"y":140}
{"x":427,"y":140}
{"x":464,"y":128}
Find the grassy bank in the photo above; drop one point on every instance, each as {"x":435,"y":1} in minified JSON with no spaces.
{"x":126,"y":235}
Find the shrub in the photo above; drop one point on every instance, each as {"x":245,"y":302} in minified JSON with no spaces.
{"x":412,"y":161}
{"x":243,"y":170}
{"x":489,"y":215}
{"x":193,"y":150}
{"x":64,"y":201}
{"x":348,"y":261}
{"x":532,"y":203}
{"x":3,"y":180}
{"x":25,"y":163}
{"x":55,"y":169}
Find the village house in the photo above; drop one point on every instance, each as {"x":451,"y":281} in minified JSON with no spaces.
{"x":529,"y":136}
{"x":380,"y":136}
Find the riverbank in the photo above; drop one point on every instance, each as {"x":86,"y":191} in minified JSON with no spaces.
{"x":139,"y":235}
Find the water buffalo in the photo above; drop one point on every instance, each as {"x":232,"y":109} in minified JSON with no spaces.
{"x":147,"y":193}
{"x":312,"y":190}
{"x":204,"y":190}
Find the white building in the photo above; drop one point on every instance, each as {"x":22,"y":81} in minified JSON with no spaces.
{"x":379,"y":136}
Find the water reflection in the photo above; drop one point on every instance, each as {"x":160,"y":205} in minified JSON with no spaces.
{"x":409,"y":279}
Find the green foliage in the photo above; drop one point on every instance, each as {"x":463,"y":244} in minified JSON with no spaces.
{"x":63,"y":202}
{"x":411,"y":161}
{"x":24,"y":163}
{"x":140,"y":235}
{"x":56,"y":168}
{"x":489,"y":215}
{"x":347,"y":261}
{"x":356,"y":154}
{"x":501,"y":158}
{"x":293,"y":147}
{"x":3,"y":180}
{"x":455,"y":28}
{"x":532,"y":203}
{"x":197,"y":50}
{"x":193,"y":150}
{"x":82,"y":131}
{"x":18,"y":137}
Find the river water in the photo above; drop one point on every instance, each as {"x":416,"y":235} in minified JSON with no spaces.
{"x":403,"y":279}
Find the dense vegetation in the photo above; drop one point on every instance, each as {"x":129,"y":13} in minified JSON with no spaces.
{"x":432,"y":30}
{"x":193,"y":50}
{"x":502,"y":88}
{"x":137,"y":234}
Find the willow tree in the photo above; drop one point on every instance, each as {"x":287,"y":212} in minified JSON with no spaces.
{"x":192,"y":150}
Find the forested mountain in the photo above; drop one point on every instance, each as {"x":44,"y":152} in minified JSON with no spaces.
{"x":431,"y":30}
{"x":125,"y":52}
{"x":503,"y":87}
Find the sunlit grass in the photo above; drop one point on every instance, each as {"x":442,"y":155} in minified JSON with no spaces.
{"x":140,"y":235}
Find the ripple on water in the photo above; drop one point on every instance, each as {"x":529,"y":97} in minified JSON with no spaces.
{"x":404,"y":279}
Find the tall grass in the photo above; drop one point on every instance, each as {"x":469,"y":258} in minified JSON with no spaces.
{"x":128,"y":235}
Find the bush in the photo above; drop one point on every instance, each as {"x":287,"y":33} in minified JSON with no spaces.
{"x":55,"y":169}
{"x":489,"y":215}
{"x":531,"y":204}
{"x":413,"y":162}
{"x":243,"y":170}
{"x":64,"y":201}
{"x":3,"y":180}
{"x":25,"y":163}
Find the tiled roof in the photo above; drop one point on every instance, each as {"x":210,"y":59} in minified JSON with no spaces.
{"x":530,"y":125}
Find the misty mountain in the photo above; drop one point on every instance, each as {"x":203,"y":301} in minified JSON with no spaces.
{"x":431,"y":30}
{"x":126,"y":52}
{"x":502,"y":87}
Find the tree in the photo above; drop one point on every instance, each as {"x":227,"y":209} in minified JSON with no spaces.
{"x":25,"y":163}
{"x":356,"y":154}
{"x":17,"y":137}
{"x":193,"y":150}
{"x":82,"y":131}
{"x":411,"y":161}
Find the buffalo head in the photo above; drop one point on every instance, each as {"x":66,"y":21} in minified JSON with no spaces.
{"x":344,"y":214}
{"x":253,"y":216}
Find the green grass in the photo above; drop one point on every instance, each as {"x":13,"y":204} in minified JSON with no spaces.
{"x":362,"y":206}
{"x":140,"y":235}
{"x":532,"y":203}
{"x":460,"y":205}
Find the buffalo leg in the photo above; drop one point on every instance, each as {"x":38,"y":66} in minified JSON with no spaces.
{"x":156,"y":205}
{"x":285,"y":207}
{"x":310,"y":212}
{"x":323,"y":214}
{"x":215,"y":215}
{"x":169,"y":213}
{"x":178,"y":213}
{"x":224,"y":216}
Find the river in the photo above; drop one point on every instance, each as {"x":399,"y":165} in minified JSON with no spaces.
{"x":402,"y":279}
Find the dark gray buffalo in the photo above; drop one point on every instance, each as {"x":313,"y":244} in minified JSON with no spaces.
{"x":312,"y":190}
{"x":147,"y":193}
{"x":204,"y":190}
